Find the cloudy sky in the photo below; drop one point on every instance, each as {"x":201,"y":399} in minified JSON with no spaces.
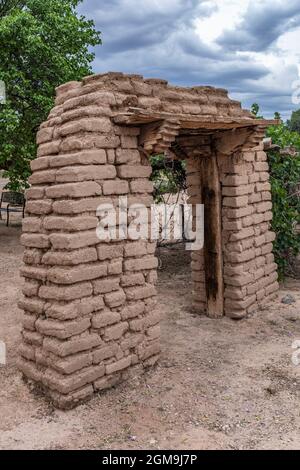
{"x":250,"y":47}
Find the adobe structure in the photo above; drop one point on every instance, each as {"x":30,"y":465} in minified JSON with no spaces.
{"x":90,"y":315}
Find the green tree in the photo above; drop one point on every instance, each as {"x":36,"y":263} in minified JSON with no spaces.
{"x":168,"y":176}
{"x":277,"y":116}
{"x":43,"y":44}
{"x":255,"y":111}
{"x":294,"y":122}
{"x":7,"y":5}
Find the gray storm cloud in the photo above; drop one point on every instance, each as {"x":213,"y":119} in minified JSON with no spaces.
{"x":158,"y":38}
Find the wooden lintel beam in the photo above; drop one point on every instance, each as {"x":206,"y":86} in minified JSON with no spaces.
{"x":139,"y":117}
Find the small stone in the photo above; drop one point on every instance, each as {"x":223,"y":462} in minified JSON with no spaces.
{"x":288,"y":299}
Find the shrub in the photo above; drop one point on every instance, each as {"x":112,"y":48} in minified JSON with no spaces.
{"x":285,"y":184}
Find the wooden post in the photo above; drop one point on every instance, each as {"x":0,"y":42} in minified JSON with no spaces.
{"x":212,"y":200}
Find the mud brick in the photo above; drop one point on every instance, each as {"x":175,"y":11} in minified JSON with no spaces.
{"x":131,"y":341}
{"x":84,"y":173}
{"x":261,"y":156}
{"x":44,"y":135}
{"x":31,"y":288}
{"x":130,"y":280}
{"x":116,"y":331}
{"x":264,"y":207}
{"x":27,"y":351}
{"x":147,"y":351}
{"x":133,"y":310}
{"x":62,"y":330}
{"x":74,"y":207}
{"x":240,"y":304}
{"x":272,"y":288}
{"x":32,"y":337}
{"x":50,"y":148}
{"x":235,"y":180}
{"x":41,"y":177}
{"x":105,"y":352}
{"x":39,"y":207}
{"x":74,"y":190}
{"x":85,"y":157}
{"x":32,"y":255}
{"x":132,"y":171}
{"x":66,"y":402}
{"x":86,"y":125}
{"x":238,"y":190}
{"x":138,"y":248}
{"x":127,"y":156}
{"x":119,"y":365}
{"x":239,"y":201}
{"x":139,"y":264}
{"x":69,"y":258}
{"x":29,"y":322}
{"x":70,"y":224}
{"x":77,"y":291}
{"x":32,"y":224}
{"x":261,"y":166}
{"x":35,"y":305}
{"x":35,"y":192}
{"x":104,"y":286}
{"x":141,"y":186}
{"x":64,"y":241}
{"x":72,"y":346}
{"x":73,"y":363}
{"x":137,"y":325}
{"x":107,"y":382}
{"x":105,"y":318}
{"x":67,"y":384}
{"x":129,"y":142}
{"x":270,"y":237}
{"x":70,"y":275}
{"x":34,"y":272}
{"x":74,"y":309}
{"x":115,"y":187}
{"x":115,"y":299}
{"x":38,"y":164}
{"x":139,"y":293}
{"x":153,"y":332}
{"x":29,"y":369}
{"x":266,"y":249}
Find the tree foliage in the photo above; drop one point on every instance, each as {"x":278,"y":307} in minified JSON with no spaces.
{"x":255,"y":110}
{"x":285,"y":183}
{"x":168,"y":176}
{"x":294,"y":122}
{"x":7,"y":5}
{"x":43,"y":44}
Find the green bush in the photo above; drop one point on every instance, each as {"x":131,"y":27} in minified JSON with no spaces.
{"x":285,"y":184}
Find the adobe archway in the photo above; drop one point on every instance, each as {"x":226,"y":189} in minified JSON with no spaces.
{"x":90,"y":306}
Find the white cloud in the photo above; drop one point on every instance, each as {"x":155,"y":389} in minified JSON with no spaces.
{"x":227,"y":15}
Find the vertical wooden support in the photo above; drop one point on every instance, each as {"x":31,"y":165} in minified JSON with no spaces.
{"x":211,"y":198}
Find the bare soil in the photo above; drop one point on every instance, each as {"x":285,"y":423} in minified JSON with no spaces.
{"x":220,"y":384}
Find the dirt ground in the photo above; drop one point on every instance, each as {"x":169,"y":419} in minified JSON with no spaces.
{"x":220,"y":384}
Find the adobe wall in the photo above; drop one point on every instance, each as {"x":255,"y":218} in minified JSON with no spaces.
{"x":89,"y":306}
{"x":250,"y":272}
